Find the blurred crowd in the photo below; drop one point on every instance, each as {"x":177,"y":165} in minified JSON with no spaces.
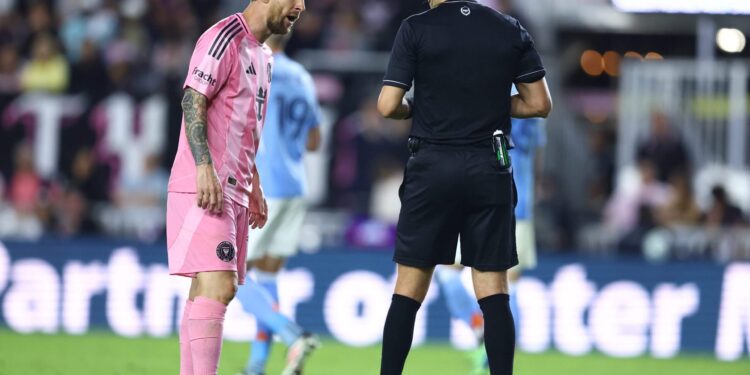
{"x":95,"y":48}
{"x":140,"y":46}
{"x":664,"y":197}
{"x":644,"y":208}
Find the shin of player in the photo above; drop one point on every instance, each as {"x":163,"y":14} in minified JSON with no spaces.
{"x":214,"y":195}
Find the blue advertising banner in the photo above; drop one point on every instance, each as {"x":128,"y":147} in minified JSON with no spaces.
{"x":573,"y":304}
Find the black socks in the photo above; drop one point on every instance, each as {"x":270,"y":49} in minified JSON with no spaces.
{"x":398,"y":333}
{"x":499,"y":333}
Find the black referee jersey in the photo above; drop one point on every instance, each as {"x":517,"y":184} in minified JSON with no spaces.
{"x":462,"y":57}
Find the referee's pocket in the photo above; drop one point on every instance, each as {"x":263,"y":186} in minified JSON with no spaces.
{"x":492,"y":184}
{"x":403,"y":182}
{"x":500,"y":169}
{"x":402,"y":187}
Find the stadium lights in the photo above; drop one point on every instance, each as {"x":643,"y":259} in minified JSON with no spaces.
{"x":684,"y":6}
{"x":730,"y":40}
{"x":633,"y":55}
{"x":592,"y":63}
{"x":654,"y":56}
{"x":612,"y":63}
{"x":595,"y":63}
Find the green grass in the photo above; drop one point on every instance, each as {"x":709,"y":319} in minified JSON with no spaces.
{"x":104,"y":353}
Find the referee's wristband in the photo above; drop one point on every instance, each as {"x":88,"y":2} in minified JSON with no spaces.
{"x":410,"y":103}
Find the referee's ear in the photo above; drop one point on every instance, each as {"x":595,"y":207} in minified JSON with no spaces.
{"x":391,"y":103}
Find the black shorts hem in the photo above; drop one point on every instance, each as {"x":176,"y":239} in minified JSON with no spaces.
{"x":417,"y":263}
{"x":492,"y":267}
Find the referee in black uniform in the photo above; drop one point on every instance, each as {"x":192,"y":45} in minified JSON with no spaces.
{"x":463,"y":58}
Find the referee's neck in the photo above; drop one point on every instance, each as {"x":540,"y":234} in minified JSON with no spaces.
{"x":434,"y":3}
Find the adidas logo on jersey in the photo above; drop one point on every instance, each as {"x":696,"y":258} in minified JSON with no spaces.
{"x":250,"y":70}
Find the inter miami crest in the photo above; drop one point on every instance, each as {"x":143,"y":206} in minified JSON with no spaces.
{"x":260,"y":100}
{"x":225,"y":251}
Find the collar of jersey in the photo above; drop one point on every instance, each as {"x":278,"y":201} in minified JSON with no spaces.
{"x":248,"y":34}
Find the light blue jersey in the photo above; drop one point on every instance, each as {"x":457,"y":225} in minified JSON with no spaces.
{"x":292,"y":112}
{"x":528,"y":135}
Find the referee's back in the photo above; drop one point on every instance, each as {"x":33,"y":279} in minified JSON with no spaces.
{"x":463,"y":58}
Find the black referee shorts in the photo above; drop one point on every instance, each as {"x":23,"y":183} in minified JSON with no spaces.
{"x":451,"y":190}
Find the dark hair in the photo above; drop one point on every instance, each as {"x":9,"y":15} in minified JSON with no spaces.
{"x":719,"y":193}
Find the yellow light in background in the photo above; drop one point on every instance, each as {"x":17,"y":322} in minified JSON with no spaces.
{"x":612,"y":63}
{"x":730,"y":40}
{"x":592,"y":63}
{"x":633,"y":55}
{"x":654,"y":56}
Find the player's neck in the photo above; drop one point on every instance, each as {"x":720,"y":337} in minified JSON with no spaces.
{"x":434,"y":3}
{"x":256,"y":21}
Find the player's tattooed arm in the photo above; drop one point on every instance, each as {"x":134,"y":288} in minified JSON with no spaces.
{"x":194,"y":106}
{"x":207,"y":187}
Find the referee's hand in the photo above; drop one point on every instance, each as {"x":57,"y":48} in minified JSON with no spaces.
{"x":209,"y":195}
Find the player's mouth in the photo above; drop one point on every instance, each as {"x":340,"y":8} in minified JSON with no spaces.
{"x":292,"y":18}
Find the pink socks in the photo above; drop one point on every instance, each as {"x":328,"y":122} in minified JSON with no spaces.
{"x":186,"y":361}
{"x":204,"y":326}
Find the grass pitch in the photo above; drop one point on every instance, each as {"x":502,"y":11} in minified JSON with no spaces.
{"x":107,"y":354}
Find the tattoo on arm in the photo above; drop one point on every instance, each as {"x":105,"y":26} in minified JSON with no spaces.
{"x":194,"y":106}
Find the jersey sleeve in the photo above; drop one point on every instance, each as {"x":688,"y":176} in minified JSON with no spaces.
{"x":530,"y":68}
{"x":403,"y":62}
{"x":212,"y":61}
{"x":311,"y":97}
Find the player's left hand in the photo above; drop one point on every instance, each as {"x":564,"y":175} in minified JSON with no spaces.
{"x":258,"y":208}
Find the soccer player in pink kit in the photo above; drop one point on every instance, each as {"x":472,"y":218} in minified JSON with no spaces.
{"x":214,"y":193}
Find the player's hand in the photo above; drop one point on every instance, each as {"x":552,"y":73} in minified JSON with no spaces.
{"x":209,"y":195}
{"x":258,"y":208}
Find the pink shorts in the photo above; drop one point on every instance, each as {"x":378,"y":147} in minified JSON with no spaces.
{"x":200,"y":241}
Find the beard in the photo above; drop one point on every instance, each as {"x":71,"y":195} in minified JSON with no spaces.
{"x":277,"y":26}
{"x":276,"y":23}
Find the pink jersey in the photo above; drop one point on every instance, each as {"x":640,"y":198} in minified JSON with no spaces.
{"x":233,"y":70}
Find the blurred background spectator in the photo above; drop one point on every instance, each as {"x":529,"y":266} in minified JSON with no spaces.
{"x":47,"y":70}
{"x":139,"y":202}
{"x":681,"y":209}
{"x":722,"y":213}
{"x":368,"y":148}
{"x":25,"y":219}
{"x":663,"y":149}
{"x":9,"y":71}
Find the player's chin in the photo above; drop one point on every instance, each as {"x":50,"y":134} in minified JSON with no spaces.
{"x":284,"y":26}
{"x":281,"y":30}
